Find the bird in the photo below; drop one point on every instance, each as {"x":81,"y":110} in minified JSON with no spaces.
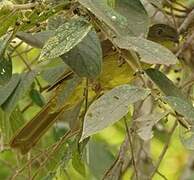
{"x":112,"y":75}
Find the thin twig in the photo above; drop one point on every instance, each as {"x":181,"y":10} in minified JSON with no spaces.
{"x":185,"y":45}
{"x":86,"y":91}
{"x":54,"y":148}
{"x":164,"y":150}
{"x":18,"y":7}
{"x":173,"y":18}
{"x":131,"y":147}
{"x":162,"y":175}
{"x":188,"y":20}
{"x":119,"y":161}
{"x":22,"y":52}
{"x":26,"y":107}
{"x":68,"y":135}
{"x":29,"y":68}
{"x":30,"y":165}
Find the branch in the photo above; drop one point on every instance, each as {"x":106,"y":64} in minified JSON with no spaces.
{"x":18,"y":7}
{"x":188,"y":20}
{"x":185,"y":45}
{"x":131,"y":148}
{"x":164,"y":150}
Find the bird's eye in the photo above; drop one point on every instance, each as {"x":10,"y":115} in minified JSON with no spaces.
{"x":159,"y":31}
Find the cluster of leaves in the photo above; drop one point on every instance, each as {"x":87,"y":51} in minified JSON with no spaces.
{"x":87,"y":73}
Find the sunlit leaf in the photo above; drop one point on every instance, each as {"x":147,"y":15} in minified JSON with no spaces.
{"x":66,"y":37}
{"x":110,"y":108}
{"x":86,"y":58}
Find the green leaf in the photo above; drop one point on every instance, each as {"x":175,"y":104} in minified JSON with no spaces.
{"x":100,"y":158}
{"x":173,"y":96}
{"x":128,"y":18}
{"x":110,"y":108}
{"x":37,"y":39}
{"x":23,"y":86}
{"x":114,"y":20}
{"x":86,"y":58}
{"x":182,"y":106}
{"x":37,"y":98}
{"x":5,"y":70}
{"x":164,"y":83}
{"x":66,"y":37}
{"x":150,"y":52}
{"x":178,"y":101}
{"x":49,"y":176}
{"x":6,"y":90}
{"x":55,"y":21}
{"x":7,"y":21}
{"x":137,"y":17}
{"x":9,"y":124}
{"x":77,"y":162}
{"x":187,"y":138}
{"x":83,"y":62}
{"x":4,"y":41}
{"x":53,"y":70}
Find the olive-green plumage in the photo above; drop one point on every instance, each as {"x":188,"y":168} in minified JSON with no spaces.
{"x":163,"y":32}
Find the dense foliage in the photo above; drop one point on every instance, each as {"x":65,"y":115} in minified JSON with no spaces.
{"x":96,"y":89}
